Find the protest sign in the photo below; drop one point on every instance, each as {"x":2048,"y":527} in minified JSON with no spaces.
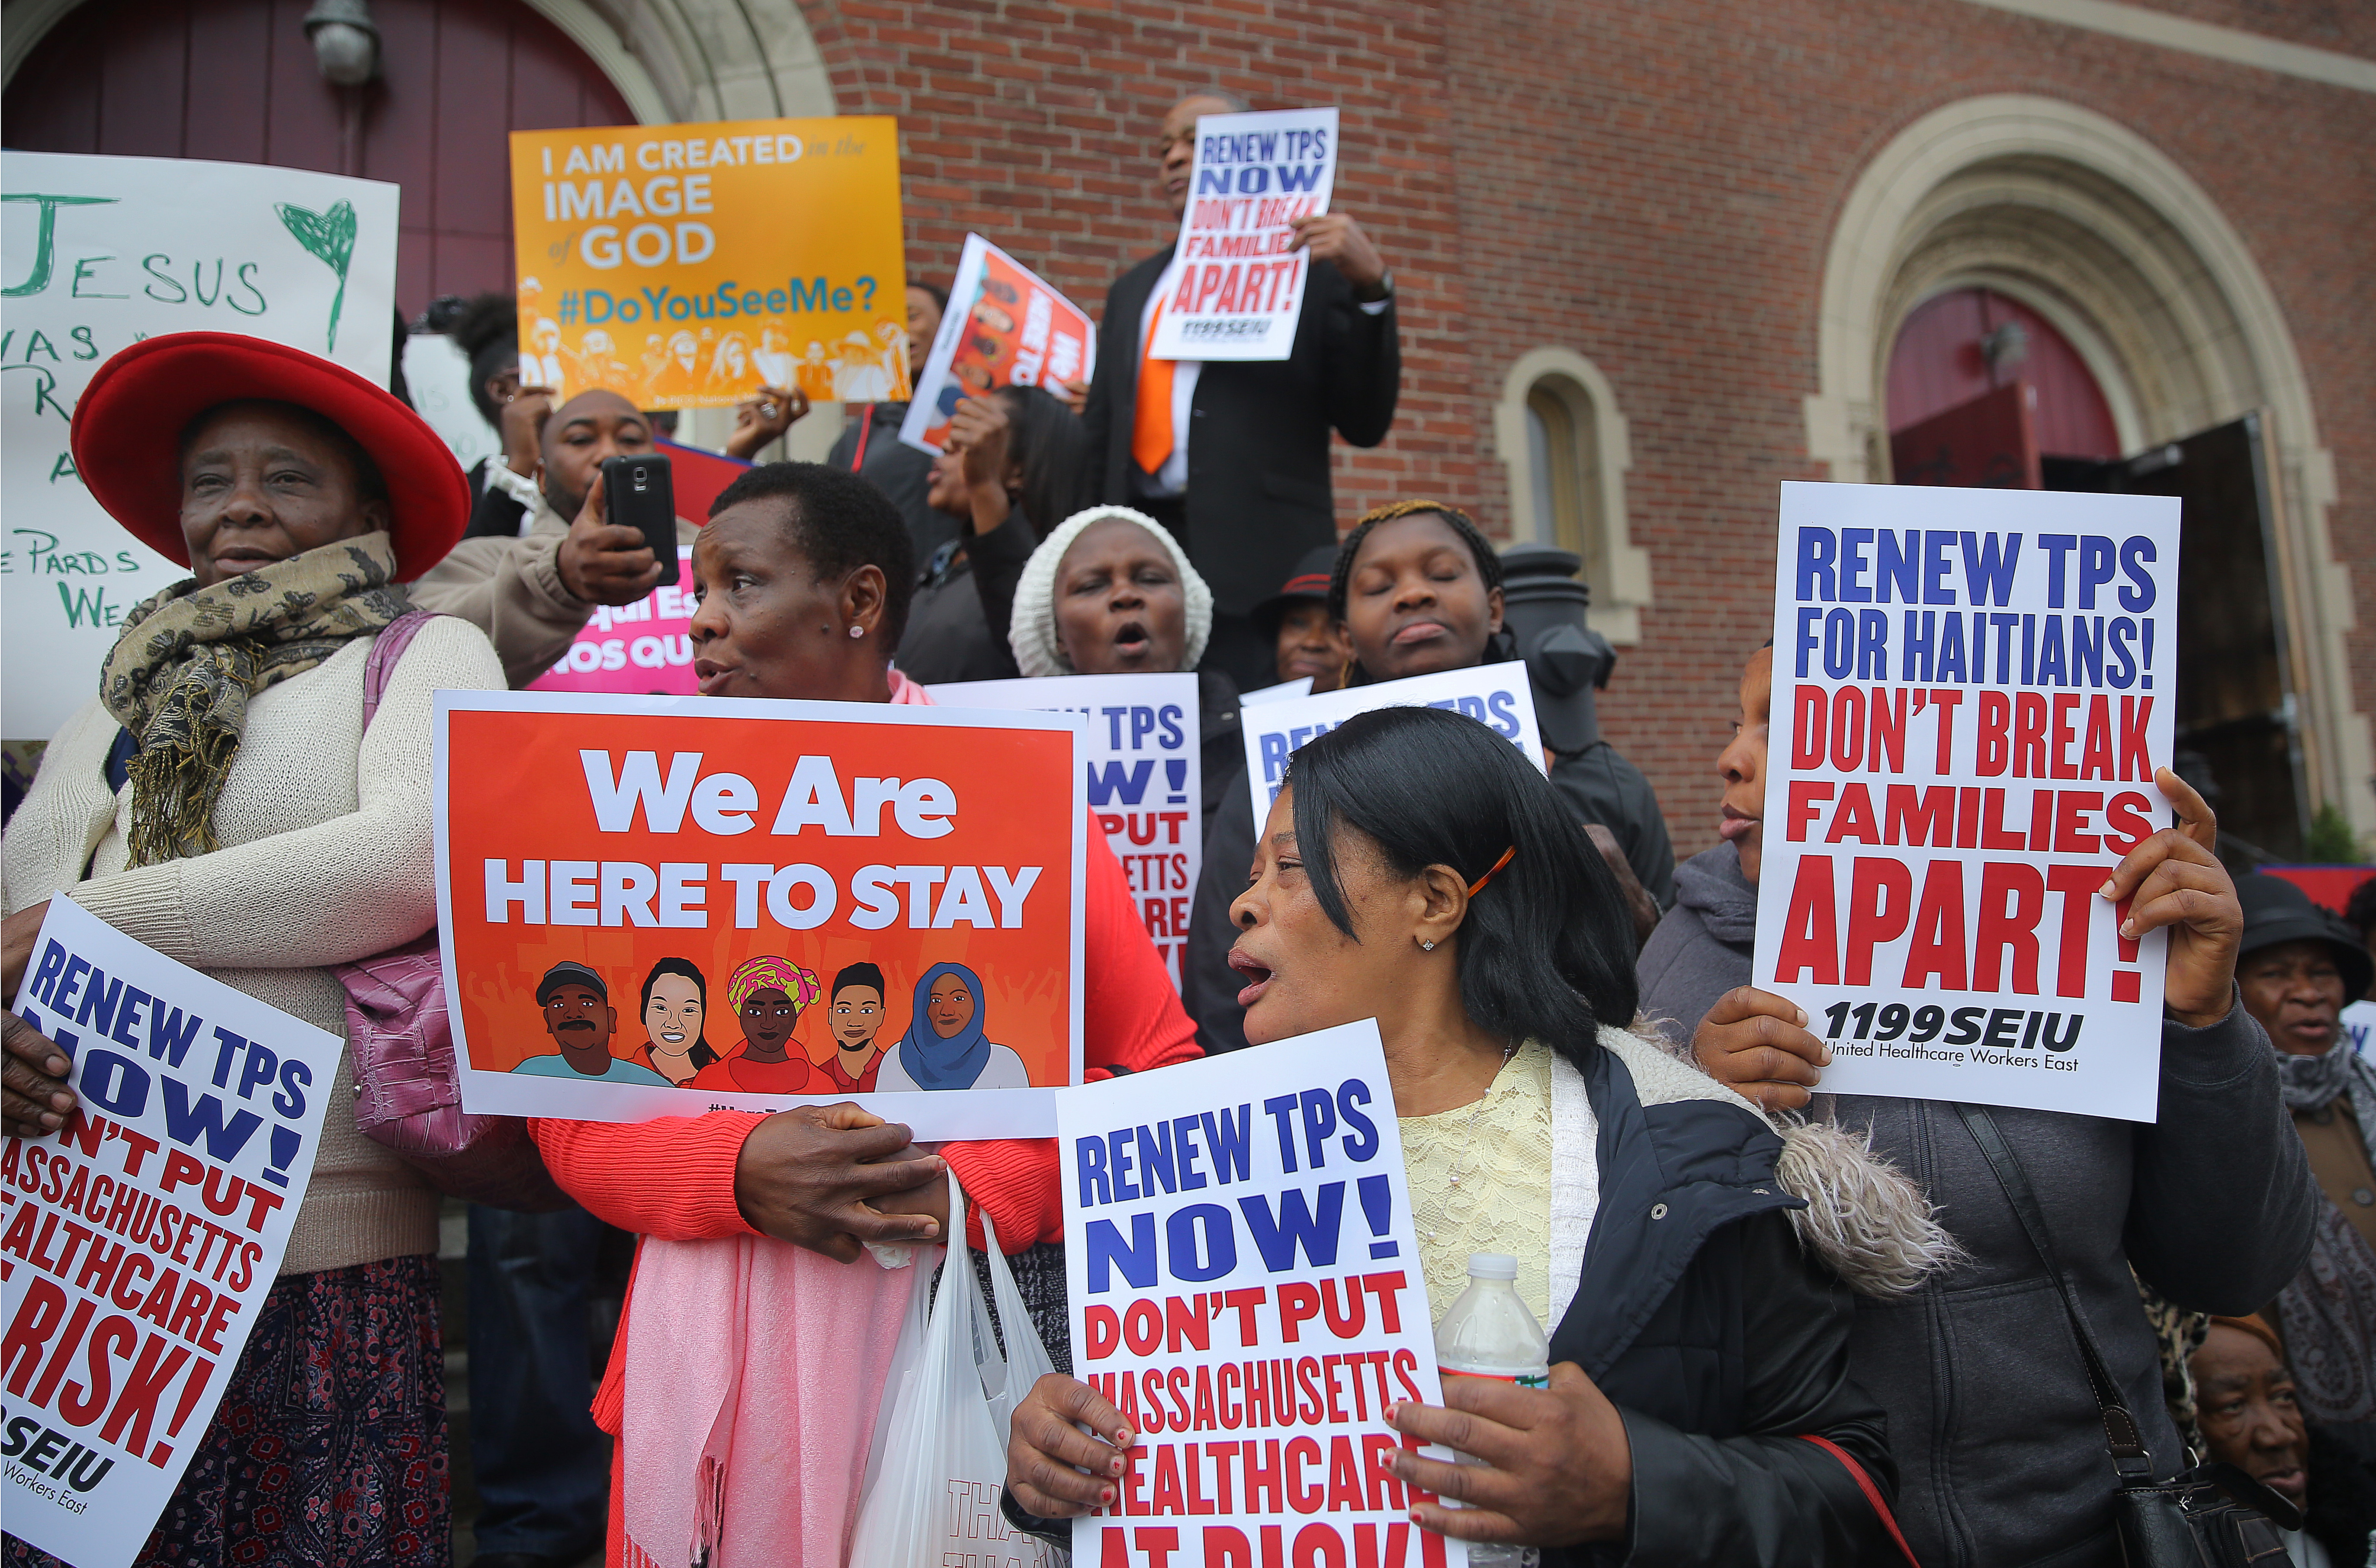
{"x":1496,"y":696}
{"x":1972,"y":689}
{"x":138,"y":1245}
{"x":1244,"y":1285}
{"x":97,"y":254}
{"x":1235,"y":287}
{"x":688,"y":266}
{"x":2360,"y":1028}
{"x":1004,"y":327}
{"x":1143,"y":768}
{"x":1299,"y":687}
{"x":656,"y":905}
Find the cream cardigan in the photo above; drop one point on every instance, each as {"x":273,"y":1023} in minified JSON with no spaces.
{"x":325,"y":859}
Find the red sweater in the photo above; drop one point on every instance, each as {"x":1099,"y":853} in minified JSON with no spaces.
{"x":674,"y":1178}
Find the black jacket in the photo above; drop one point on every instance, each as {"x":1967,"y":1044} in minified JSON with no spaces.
{"x":1258,"y":493}
{"x":1717,"y":1339}
{"x":2000,"y":1448}
{"x":958,"y":622}
{"x":895,"y":469}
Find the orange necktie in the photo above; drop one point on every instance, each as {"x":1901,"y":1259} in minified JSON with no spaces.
{"x":1151,"y":436}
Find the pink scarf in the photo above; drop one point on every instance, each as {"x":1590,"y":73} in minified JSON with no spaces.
{"x":755,"y":1369}
{"x":753,"y":1374}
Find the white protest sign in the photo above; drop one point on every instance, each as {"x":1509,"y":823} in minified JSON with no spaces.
{"x":2359,"y":1028}
{"x":1496,"y":696}
{"x":97,"y":254}
{"x":1235,"y":287}
{"x":437,"y":374}
{"x":1004,"y":326}
{"x":1299,"y":687}
{"x":1244,"y":1285}
{"x":1972,"y":689}
{"x":1144,"y":772}
{"x":141,"y":1241}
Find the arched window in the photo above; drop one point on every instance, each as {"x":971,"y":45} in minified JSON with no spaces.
{"x":1564,"y":446}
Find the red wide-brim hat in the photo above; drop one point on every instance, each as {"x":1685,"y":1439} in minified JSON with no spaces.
{"x":128,"y":436}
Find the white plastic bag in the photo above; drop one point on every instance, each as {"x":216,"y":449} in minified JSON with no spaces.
{"x":1027,"y":1358}
{"x":932,"y":1497}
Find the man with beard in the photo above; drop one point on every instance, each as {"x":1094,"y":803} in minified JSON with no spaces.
{"x":579,"y":1017}
{"x":532,"y":595}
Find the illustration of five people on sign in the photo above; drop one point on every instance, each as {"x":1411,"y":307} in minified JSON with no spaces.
{"x":943,"y":1048}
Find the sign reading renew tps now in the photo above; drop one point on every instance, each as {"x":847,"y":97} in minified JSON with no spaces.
{"x":1972,"y":690}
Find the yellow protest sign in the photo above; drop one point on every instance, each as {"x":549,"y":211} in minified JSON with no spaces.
{"x":688,"y":266}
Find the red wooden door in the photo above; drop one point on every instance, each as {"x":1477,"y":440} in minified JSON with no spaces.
{"x":1938,"y":363}
{"x":235,"y":80}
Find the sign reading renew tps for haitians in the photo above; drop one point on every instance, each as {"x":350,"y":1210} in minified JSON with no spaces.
{"x":138,"y":1243}
{"x":1972,"y":690}
{"x":97,"y":254}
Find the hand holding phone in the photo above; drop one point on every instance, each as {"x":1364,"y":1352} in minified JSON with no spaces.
{"x":639,"y":493}
{"x":601,"y":561}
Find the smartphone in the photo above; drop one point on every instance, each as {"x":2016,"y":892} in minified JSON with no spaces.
{"x":638,"y":494}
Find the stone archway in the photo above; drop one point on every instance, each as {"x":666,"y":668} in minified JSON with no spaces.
{"x":2096,"y":228}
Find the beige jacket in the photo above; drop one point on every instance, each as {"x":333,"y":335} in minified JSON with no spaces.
{"x":511,"y":590}
{"x":325,"y":859}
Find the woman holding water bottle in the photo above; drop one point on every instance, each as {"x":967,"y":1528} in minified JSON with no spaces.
{"x":1567,"y":1172}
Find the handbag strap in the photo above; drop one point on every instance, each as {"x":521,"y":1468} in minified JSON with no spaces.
{"x":386,"y":649}
{"x":1871,"y":1492}
{"x":2122,"y":1438}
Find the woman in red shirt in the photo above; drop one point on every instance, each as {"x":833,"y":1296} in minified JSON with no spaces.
{"x":804,"y":576}
{"x":766,"y":997}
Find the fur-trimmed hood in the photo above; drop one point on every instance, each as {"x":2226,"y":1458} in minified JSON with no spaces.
{"x":1868,"y":1221}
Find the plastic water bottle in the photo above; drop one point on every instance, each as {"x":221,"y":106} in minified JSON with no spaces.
{"x":1491,"y":1333}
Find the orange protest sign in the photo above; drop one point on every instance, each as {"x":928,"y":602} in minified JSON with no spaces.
{"x":688,"y":266}
{"x":656,"y":905}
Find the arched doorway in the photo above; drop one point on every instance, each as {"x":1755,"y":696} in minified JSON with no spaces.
{"x":2103,"y":239}
{"x":235,"y":80}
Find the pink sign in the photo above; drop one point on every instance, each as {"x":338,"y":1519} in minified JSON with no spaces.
{"x":641,"y":649}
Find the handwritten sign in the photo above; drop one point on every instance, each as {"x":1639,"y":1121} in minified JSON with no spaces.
{"x":648,"y":899}
{"x":1235,"y":288}
{"x":1496,"y":696}
{"x":1244,"y":1287}
{"x":688,"y":265}
{"x":1972,"y":689}
{"x":138,"y":1245}
{"x":95,"y":255}
{"x":1003,"y":328}
{"x":1143,"y":776}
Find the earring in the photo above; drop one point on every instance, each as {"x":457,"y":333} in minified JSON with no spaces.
{"x":858,"y":631}
{"x":1426,"y":946}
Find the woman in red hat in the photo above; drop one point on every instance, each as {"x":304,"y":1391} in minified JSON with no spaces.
{"x":223,"y":800}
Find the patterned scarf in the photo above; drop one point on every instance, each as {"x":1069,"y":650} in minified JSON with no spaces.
{"x":2310,"y":1082}
{"x":187,"y":662}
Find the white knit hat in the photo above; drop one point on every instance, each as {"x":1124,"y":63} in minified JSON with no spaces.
{"x":1031,"y":632}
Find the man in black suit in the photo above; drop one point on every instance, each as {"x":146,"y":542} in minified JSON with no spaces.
{"x":1235,"y":462}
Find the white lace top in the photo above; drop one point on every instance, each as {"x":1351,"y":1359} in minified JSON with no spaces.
{"x":1513,"y":1174}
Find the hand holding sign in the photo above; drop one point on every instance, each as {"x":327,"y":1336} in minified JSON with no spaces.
{"x":1048,"y":1453}
{"x":1334,"y":237}
{"x":2174,"y":881}
{"x":35,"y":1100}
{"x":804,"y":1176}
{"x":1558,"y":1469}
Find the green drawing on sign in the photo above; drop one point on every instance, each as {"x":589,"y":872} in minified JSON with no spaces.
{"x":44,"y":243}
{"x":331,"y":236}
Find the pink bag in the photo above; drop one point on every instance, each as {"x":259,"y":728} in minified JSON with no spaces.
{"x":407,"y":1085}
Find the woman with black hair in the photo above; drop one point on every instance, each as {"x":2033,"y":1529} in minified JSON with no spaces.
{"x":1417,"y":590}
{"x":676,"y":1017}
{"x":1009,"y":470}
{"x":1417,"y":869}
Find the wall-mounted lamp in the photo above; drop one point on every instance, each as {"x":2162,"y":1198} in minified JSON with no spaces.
{"x":2006,"y":347}
{"x":345,"y":40}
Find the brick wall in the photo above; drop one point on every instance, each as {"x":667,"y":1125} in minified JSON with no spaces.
{"x":1653,"y":187}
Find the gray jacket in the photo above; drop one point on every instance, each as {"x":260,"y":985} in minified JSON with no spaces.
{"x":2000,"y":1456}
